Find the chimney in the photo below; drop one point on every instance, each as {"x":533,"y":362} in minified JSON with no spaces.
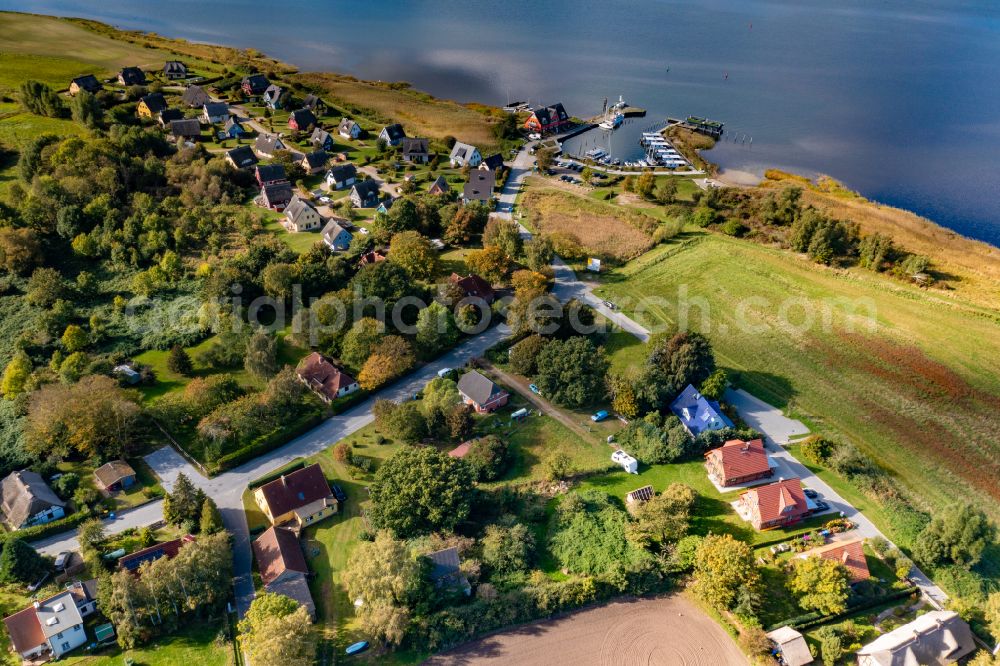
{"x":284,"y":480}
{"x":37,"y":605}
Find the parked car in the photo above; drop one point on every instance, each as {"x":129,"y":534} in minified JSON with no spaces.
{"x":810,"y":493}
{"x":325,"y":199}
{"x":534,"y":136}
{"x":609,"y":305}
{"x":599,"y":416}
{"x":534,"y":389}
{"x":339,"y":493}
{"x":62,"y":559}
{"x":821,"y":506}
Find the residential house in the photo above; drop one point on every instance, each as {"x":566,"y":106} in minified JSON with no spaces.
{"x":131,"y":76}
{"x":188,"y":128}
{"x":115,"y":475}
{"x":392,"y":134}
{"x":299,"y":498}
{"x":301,"y":216}
{"x":493,"y":163}
{"x":167,"y":549}
{"x":27,"y":500}
{"x":150,"y":105}
{"x":255,"y":85}
{"x":268,"y":145}
{"x":276,"y":195}
{"x":415,"y":150}
{"x":384,"y":206}
{"x":446,"y":570}
{"x":341,"y":176}
{"x":640,"y":495}
{"x":241,"y":157}
{"x":195,"y":97}
{"x":315,"y":161}
{"x":463,"y":153}
{"x":369,"y":258}
{"x":850,"y":553}
{"x":270,"y":173}
{"x":480,"y":187}
{"x":737,"y":462}
{"x":775,"y":505}
{"x":933,"y":639}
{"x":336,"y":237}
{"x":473,"y":286}
{"x":348,"y":129}
{"x":365,"y":194}
{"x":313,"y":103}
{"x":167,"y":116}
{"x":301,"y":120}
{"x":325,"y":379}
{"x":477,"y":390}
{"x":547,"y":119}
{"x":175,"y":69}
{"x":321,"y":139}
{"x":86,"y":82}
{"x":127,"y":373}
{"x":791,"y":646}
{"x":233,"y":129}
{"x":272,"y":96}
{"x":52,"y":627}
{"x":214,"y":112}
{"x":282,"y":566}
{"x":439,"y":186}
{"x":698,"y":413}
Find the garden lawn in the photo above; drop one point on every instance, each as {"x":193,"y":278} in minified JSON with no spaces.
{"x":193,"y":644}
{"x":918,"y":393}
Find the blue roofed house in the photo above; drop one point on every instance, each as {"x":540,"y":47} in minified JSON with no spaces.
{"x":698,"y":413}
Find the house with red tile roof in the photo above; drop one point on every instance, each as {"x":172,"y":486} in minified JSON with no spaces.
{"x":850,"y":553}
{"x":473,"y":286}
{"x":324,"y":378}
{"x":50,"y":628}
{"x":168,"y":549}
{"x":282,"y":566}
{"x":774,"y":505}
{"x":737,"y":462}
{"x":299,"y":498}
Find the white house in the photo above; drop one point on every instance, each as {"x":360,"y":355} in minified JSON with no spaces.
{"x":50,"y":628}
{"x":301,"y":216}
{"x":336,"y":237}
{"x":341,"y":176}
{"x":392,"y":134}
{"x":214,"y":112}
{"x":349,"y":129}
{"x":27,"y":500}
{"x":628,"y":463}
{"x":463,"y":153}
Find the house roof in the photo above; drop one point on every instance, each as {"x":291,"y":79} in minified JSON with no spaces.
{"x":346,"y":124}
{"x":24,"y":494}
{"x":212,"y":109}
{"x":311,"y":101}
{"x":493,"y":162}
{"x":269,"y":144}
{"x":298,"y":207}
{"x":934,"y":638}
{"x":478,"y":388}
{"x":258,"y":83}
{"x":132,"y":75}
{"x":738,"y":459}
{"x":232,"y":122}
{"x":316,"y":159}
{"x":318,"y":371}
{"x":446,"y":563}
{"x":372,"y":257}
{"x":367,"y":188}
{"x":462,"y":151}
{"x":270,"y":173}
{"x":280,"y":191}
{"x":699,"y":413}
{"x":155,"y":102}
{"x":169,"y":115}
{"x":342,"y":172}
{"x":554,"y":113}
{"x":242,"y":156}
{"x":189,"y":127}
{"x":778,"y":499}
{"x":319,"y":135}
{"x":414,"y":146}
{"x":850,"y":553}
{"x":439,"y":185}
{"x":480,"y":185}
{"x":793,"y":646}
{"x":330,"y":232}
{"x":28,"y":628}
{"x":58,"y":613}
{"x":643,"y":494}
{"x":296,"y":588}
{"x":277,"y":550}
{"x":461,"y":450}
{"x":273,"y":91}
{"x":168,"y":549}
{"x":393,"y":132}
{"x":87,"y":82}
{"x":113,"y":472}
{"x":24,"y":629}
{"x":194,"y":96}
{"x":303,"y":118}
{"x":472,"y":285}
{"x":295,"y":489}
{"x":174,"y":66}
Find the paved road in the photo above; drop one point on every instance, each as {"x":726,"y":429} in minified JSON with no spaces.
{"x":227,"y":488}
{"x":778,"y":430}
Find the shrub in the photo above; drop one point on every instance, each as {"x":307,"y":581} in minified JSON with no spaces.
{"x":817,"y":450}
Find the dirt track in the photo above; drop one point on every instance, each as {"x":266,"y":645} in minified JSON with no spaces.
{"x":651,"y":632}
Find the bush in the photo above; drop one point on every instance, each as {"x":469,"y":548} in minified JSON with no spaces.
{"x":817,"y":450}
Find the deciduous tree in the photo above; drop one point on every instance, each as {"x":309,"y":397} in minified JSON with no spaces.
{"x":723,"y":566}
{"x":261,"y":359}
{"x":390,"y":358}
{"x":508,"y":550}
{"x":821,"y":585}
{"x":278,"y":630}
{"x":415,"y":254}
{"x":958,"y":536}
{"x":571,"y":372}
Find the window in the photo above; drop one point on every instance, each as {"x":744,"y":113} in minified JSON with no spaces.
{"x":65,"y":647}
{"x":59,"y":635}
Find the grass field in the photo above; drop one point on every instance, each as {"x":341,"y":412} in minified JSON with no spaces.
{"x":195,"y":644}
{"x":918,"y":391}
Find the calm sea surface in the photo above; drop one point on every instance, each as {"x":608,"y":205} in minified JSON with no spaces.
{"x":900,"y":99}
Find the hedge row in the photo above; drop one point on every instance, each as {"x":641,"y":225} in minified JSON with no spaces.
{"x":266,"y":443}
{"x":809,"y":620}
{"x":38,"y":532}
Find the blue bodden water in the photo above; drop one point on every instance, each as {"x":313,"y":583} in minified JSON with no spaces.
{"x":900,"y":99}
